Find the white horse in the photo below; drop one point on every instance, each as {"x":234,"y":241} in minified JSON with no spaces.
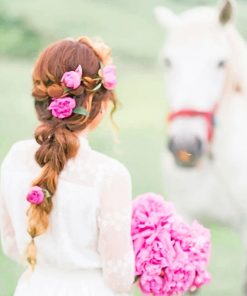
{"x":205,"y":163}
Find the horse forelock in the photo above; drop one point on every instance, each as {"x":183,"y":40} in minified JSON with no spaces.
{"x":203,"y":14}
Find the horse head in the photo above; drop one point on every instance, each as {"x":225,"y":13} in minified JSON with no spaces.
{"x":198,"y":57}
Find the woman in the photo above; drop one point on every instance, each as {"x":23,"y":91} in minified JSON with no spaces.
{"x":65,"y":208}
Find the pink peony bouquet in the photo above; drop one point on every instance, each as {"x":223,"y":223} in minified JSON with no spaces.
{"x":171,"y":256}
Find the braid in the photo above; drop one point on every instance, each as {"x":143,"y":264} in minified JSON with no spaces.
{"x":57,"y":146}
{"x":40,"y":91}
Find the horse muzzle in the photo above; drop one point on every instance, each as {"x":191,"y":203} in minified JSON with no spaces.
{"x":187,"y":151}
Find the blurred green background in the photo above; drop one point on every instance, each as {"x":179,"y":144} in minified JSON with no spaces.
{"x":26,"y":26}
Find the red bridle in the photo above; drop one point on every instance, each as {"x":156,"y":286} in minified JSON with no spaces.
{"x":208,"y":116}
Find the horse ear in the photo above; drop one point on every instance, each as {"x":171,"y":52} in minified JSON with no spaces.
{"x":165,"y":16}
{"x":226,"y":12}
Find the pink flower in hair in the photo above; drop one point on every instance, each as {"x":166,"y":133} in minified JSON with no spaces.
{"x":62,"y":107}
{"x":35,"y":195}
{"x":109,"y":77}
{"x":72,"y":79}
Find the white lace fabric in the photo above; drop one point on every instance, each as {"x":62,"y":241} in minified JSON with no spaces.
{"x":89,"y":227}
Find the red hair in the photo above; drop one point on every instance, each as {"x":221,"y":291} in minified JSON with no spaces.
{"x":57,"y":138}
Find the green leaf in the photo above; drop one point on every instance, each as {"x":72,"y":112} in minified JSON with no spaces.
{"x":81,"y":111}
{"x":66,"y":90}
{"x":96,"y":87}
{"x":47,"y":193}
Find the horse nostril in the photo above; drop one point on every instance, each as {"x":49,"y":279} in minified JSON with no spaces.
{"x":198,"y":147}
{"x":171,"y":145}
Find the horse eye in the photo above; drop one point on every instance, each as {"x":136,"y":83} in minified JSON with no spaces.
{"x":221,"y":64}
{"x":167,"y":62}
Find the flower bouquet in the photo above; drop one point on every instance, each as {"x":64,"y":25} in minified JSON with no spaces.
{"x":171,"y":256}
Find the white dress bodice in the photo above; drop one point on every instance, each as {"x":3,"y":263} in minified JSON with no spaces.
{"x":89,"y":226}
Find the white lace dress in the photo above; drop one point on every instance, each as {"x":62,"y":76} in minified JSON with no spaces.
{"x":87,"y":249}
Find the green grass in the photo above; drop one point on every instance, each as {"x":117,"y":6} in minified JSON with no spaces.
{"x":130,"y":28}
{"x":17,"y":36}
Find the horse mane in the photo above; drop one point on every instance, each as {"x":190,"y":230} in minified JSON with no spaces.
{"x":238,"y":61}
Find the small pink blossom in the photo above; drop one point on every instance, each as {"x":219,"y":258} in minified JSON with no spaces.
{"x":109,"y":77}
{"x":72,"y":79}
{"x":62,"y":107}
{"x":35,"y":195}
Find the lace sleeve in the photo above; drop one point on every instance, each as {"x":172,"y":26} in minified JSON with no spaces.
{"x":7,"y":232}
{"x":115,"y":244}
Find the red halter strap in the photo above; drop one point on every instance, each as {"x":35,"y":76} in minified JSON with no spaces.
{"x":208,"y":116}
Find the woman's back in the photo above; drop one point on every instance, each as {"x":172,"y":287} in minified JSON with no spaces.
{"x":90,"y":207}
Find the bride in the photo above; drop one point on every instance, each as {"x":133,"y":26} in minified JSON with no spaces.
{"x":65,"y":208}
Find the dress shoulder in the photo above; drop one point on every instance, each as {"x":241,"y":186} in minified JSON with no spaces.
{"x":111,"y":165}
{"x":19,"y":152}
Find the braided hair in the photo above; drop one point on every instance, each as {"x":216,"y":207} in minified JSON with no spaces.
{"x":57,"y":138}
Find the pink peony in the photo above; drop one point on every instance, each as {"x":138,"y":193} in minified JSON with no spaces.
{"x":202,"y":277}
{"x":35,"y":195}
{"x":151,"y":284}
{"x":72,"y":79}
{"x":149,"y":212}
{"x":180,"y":277}
{"x":62,"y":107}
{"x":195,"y":241}
{"x":109,"y":77}
{"x":171,"y":256}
